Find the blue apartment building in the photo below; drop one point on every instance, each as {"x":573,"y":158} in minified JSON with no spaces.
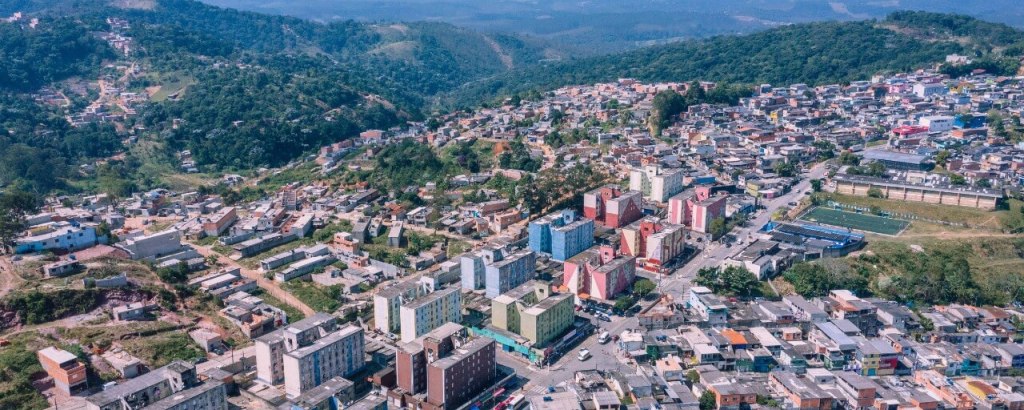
{"x":561,"y":234}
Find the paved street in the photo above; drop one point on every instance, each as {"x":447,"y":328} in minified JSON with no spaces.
{"x":606,"y":356}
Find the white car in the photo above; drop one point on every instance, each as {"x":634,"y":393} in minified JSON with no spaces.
{"x":583,"y":355}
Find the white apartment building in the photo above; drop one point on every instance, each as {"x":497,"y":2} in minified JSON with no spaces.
{"x":339,"y":354}
{"x":656,"y":183}
{"x":429,"y":312}
{"x":388,"y":302}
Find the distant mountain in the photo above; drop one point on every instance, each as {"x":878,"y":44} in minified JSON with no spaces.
{"x":811,"y":53}
{"x":601,"y":26}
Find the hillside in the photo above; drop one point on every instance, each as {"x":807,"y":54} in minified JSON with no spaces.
{"x":240,"y":90}
{"x":603,"y":26}
{"x":811,"y":53}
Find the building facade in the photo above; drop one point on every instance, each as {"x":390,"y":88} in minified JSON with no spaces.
{"x":599,"y":273}
{"x":534,"y":312}
{"x":561,"y":234}
{"x":338,"y":354}
{"x":656,"y":183}
{"x":429,"y":312}
{"x":611,"y":207}
{"x":512,"y":271}
{"x":173,"y":387}
{"x":271,"y":347}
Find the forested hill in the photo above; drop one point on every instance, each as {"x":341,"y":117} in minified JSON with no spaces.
{"x":812,"y":53}
{"x":240,"y":90}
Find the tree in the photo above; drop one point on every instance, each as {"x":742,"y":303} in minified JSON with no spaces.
{"x":942,"y":157}
{"x":623,"y":303}
{"x":731,"y":280}
{"x":848,"y":158}
{"x":876,"y":169}
{"x":643,"y":287}
{"x":692,"y":376}
{"x":875,"y":193}
{"x":708,"y":401}
{"x":666,"y":105}
{"x":957,"y":179}
{"x":816,"y":185}
{"x":717,"y":227}
{"x":784,"y":169}
{"x":826,"y":149}
{"x":14,"y":206}
{"x":983,"y":183}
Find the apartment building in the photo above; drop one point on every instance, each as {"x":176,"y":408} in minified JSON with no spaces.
{"x":176,"y":386}
{"x":509,"y":272}
{"x":612,"y":207}
{"x":271,"y":347}
{"x":462,"y":375}
{"x":429,"y":312}
{"x":411,"y":359}
{"x":561,"y":234}
{"x":653,"y":242}
{"x":338,"y":354}
{"x":387,"y":303}
{"x":472,"y":266}
{"x":599,"y":273}
{"x":534,"y":312}
{"x":656,"y":183}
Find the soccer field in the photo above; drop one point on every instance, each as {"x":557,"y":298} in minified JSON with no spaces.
{"x":853,"y":220}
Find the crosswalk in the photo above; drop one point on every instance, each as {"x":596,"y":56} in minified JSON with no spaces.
{"x":535,"y":390}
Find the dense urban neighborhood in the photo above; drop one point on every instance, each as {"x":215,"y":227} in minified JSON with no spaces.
{"x":619,"y":245}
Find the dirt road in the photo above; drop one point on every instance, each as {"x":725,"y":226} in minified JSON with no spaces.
{"x":273,"y":288}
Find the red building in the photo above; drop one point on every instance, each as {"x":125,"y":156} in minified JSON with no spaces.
{"x":68,"y":373}
{"x":611,"y":207}
{"x":696,"y":209}
{"x":447,"y":365}
{"x":705,"y":211}
{"x":599,"y":273}
{"x":653,"y":242}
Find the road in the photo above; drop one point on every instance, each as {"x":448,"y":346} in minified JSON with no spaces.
{"x":607,"y":356}
{"x":273,"y":288}
{"x":604,"y":357}
{"x":9,"y":278}
{"x":678,"y":283}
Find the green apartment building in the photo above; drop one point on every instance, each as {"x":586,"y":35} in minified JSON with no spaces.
{"x":533,"y":312}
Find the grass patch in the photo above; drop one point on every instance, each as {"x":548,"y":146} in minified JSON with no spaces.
{"x":853,"y":220}
{"x":170,"y":83}
{"x":926,"y":270}
{"x":303,"y":173}
{"x":17,"y":364}
{"x":294,"y":315}
{"x":104,"y":336}
{"x":160,"y":350}
{"x":319,"y":298}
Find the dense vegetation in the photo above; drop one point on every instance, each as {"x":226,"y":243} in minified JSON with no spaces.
{"x":53,"y":51}
{"x":668,"y":104}
{"x":36,"y":307}
{"x":952,"y":272}
{"x":811,"y":53}
{"x":730,"y":281}
{"x":255,"y":90}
